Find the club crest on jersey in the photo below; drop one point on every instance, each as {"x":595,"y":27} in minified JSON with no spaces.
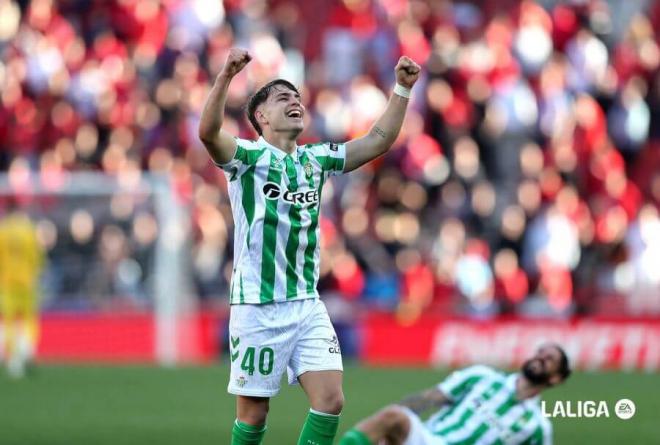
{"x":274,"y":191}
{"x":309,"y":171}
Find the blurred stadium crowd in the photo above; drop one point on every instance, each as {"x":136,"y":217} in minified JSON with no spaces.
{"x":526,"y":178}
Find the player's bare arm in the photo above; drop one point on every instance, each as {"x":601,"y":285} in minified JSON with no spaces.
{"x":220,"y":144}
{"x":386,"y":129}
{"x":424,"y":401}
{"x":391,"y":425}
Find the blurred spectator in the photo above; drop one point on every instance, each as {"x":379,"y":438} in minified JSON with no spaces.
{"x":474,"y":277}
{"x":638,"y":277}
{"x":512,"y":284}
{"x":21,"y":263}
{"x":527,"y":165}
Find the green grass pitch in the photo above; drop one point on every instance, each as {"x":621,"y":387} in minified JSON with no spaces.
{"x":95,"y":405}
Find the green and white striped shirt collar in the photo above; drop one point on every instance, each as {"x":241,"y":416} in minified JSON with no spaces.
{"x":277,"y":152}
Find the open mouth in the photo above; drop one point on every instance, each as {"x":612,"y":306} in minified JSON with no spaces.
{"x":295,"y":113}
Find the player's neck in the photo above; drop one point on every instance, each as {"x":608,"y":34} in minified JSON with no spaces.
{"x":284,"y":141}
{"x":526,"y":389}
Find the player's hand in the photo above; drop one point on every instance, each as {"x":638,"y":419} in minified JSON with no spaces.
{"x":407,"y":72}
{"x":236,"y":61}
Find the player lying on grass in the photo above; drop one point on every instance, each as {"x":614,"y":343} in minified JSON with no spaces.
{"x":277,"y":322}
{"x":476,"y":405}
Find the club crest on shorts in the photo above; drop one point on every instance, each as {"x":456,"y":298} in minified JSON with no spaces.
{"x":241,"y":381}
{"x":309,"y":171}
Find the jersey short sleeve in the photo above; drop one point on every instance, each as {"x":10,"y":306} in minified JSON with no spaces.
{"x":331,"y":156}
{"x":459,"y":383}
{"x":246,"y":155}
{"x":336,"y":158}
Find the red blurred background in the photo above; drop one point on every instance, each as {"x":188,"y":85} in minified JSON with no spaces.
{"x":525,"y":183}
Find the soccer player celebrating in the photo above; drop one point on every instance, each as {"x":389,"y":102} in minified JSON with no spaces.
{"x":474,"y":406}
{"x":277,"y":321}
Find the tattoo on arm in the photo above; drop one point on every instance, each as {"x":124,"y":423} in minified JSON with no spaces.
{"x":424,"y":401}
{"x":380,"y":132}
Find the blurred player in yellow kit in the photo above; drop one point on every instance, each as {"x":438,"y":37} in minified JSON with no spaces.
{"x":21,"y":261}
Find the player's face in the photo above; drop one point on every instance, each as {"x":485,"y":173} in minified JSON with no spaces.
{"x":543,"y":367}
{"x":283,"y":111}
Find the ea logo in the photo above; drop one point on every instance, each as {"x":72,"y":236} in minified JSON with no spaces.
{"x":272,"y":190}
{"x":624,"y":409}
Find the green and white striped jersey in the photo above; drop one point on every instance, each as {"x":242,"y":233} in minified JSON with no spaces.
{"x":275,"y":200}
{"x":485,"y":411}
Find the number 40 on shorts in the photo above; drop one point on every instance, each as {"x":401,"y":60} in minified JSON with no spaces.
{"x":266,"y":360}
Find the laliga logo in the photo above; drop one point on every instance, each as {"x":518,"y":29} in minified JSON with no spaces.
{"x":624,"y":409}
{"x":273,"y":191}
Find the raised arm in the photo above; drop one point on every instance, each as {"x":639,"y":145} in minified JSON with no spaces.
{"x":220,"y":144}
{"x":421,"y":402}
{"x":386,"y":129}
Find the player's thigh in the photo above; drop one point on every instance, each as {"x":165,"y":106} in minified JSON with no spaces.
{"x":317,"y":347}
{"x":25,"y":304}
{"x":324,"y":390}
{"x":29,"y":305}
{"x":252,"y":410}
{"x":18,"y":302}
{"x":259,"y":350}
{"x":9,"y":305}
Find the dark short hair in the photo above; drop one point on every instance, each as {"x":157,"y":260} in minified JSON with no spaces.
{"x":261,"y":96}
{"x":564,"y":366}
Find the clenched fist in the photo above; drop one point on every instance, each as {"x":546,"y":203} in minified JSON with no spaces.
{"x":407,"y":72}
{"x":236,"y":61}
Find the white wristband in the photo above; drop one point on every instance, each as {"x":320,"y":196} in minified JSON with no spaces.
{"x":402,"y":91}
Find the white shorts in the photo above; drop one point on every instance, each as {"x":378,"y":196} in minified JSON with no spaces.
{"x":267,"y":339}
{"x":419,"y":434}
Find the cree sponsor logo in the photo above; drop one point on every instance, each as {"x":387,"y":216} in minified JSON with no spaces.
{"x":273,"y":191}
